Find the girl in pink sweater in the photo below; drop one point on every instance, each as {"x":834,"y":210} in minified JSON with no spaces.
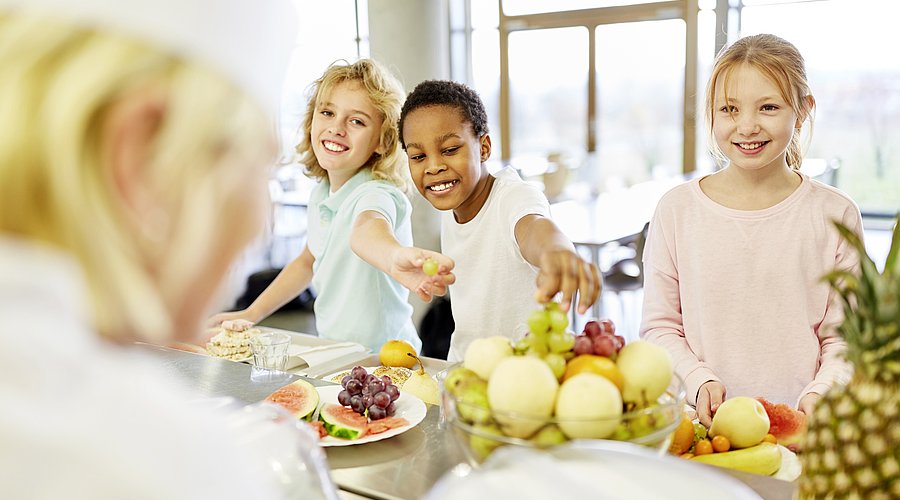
{"x":734,"y":260}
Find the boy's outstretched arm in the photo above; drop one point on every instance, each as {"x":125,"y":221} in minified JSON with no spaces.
{"x":544,"y":246}
{"x":373,"y":240}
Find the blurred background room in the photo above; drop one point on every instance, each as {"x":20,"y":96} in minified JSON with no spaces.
{"x":597,"y":102}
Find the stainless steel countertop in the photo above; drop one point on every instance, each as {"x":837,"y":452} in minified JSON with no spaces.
{"x":402,"y":467}
{"x":215,"y":377}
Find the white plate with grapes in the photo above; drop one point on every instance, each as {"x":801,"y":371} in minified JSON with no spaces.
{"x":355,"y":424}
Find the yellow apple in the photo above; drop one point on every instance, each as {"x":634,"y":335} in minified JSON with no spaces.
{"x":743,"y":420}
{"x":483,"y":355}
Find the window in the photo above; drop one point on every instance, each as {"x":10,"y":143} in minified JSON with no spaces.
{"x":318,"y":45}
{"x":640,"y":89}
{"x":521,"y":7}
{"x":848,"y":49}
{"x":548,"y":91}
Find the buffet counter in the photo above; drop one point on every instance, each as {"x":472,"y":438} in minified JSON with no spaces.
{"x":405,"y":466}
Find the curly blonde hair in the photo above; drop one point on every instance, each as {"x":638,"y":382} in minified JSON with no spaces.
{"x":59,"y":84}
{"x":780,"y":62}
{"x":386,"y":94}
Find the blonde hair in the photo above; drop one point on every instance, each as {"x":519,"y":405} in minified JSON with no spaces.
{"x":386,"y":95}
{"x":58,"y":84}
{"x":782,"y":64}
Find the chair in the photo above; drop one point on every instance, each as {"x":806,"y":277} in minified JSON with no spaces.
{"x":625,"y":274}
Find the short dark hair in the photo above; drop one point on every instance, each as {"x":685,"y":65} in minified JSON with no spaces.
{"x":446,"y":93}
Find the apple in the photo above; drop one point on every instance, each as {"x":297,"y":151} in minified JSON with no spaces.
{"x":522,"y":391}
{"x":743,"y":420}
{"x":647,"y":371}
{"x":483,"y":355}
{"x":588,"y":406}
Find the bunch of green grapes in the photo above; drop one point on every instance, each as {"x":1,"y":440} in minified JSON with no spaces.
{"x":548,"y":338}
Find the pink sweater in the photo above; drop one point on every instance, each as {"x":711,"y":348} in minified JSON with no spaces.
{"x":736,"y":296}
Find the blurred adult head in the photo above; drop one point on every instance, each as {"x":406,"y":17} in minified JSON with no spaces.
{"x":139,"y":147}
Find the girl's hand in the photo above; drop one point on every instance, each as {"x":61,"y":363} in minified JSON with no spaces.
{"x":565,"y":271}
{"x":236,"y":321}
{"x":709,"y":398}
{"x":406,"y":268}
{"x":808,"y":403}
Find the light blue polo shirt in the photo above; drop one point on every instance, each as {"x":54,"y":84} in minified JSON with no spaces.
{"x":355,"y":301}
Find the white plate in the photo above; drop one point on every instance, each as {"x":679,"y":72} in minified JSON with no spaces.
{"x":330,"y":377}
{"x":409,"y":407}
{"x":790,"y":465}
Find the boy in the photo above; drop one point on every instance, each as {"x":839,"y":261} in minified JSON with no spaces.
{"x":495,"y":227}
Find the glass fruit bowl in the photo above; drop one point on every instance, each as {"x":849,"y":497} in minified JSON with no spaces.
{"x":479,"y":430}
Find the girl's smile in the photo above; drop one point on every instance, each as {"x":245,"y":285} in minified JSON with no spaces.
{"x":753,"y":124}
{"x":345,"y":131}
{"x":751,"y":148}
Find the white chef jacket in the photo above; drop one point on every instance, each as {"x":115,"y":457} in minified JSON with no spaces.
{"x":81,"y":417}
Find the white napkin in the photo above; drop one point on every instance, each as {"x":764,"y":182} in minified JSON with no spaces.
{"x":317,"y":355}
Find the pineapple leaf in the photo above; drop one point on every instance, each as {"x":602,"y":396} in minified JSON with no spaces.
{"x":853,"y":240}
{"x":895,"y":249}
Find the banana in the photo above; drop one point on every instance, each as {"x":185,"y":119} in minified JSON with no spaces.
{"x":764,"y":458}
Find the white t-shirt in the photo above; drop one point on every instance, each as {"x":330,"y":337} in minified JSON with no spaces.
{"x":495,"y":286}
{"x":83,"y":418}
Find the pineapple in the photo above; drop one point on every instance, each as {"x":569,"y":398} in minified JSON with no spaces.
{"x":852,"y":448}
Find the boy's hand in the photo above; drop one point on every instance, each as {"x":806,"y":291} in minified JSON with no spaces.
{"x":565,"y":271}
{"x":406,"y":268}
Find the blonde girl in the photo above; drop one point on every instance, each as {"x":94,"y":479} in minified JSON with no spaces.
{"x":734,"y":260}
{"x":359,"y":255}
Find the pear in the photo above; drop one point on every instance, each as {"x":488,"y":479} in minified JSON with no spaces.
{"x":422,"y":386}
{"x":472,"y":401}
{"x":483,"y":446}
{"x":396,"y":353}
{"x":455,"y":377}
{"x":549,"y":435}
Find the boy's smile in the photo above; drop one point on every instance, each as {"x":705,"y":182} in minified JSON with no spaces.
{"x":446,"y":160}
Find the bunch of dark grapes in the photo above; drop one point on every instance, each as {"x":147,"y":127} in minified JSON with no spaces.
{"x":599,"y":337}
{"x":364,"y":392}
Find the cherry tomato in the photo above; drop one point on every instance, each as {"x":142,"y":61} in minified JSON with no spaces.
{"x":720,"y":444}
{"x":703,"y":447}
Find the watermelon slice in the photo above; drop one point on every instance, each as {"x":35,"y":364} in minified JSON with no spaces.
{"x":785,"y":423}
{"x":299,"y":397}
{"x":342,"y":422}
{"x":386,"y":424}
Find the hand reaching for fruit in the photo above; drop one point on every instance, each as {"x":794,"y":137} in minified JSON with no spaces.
{"x":565,"y":271}
{"x":709,"y":397}
{"x":423,"y":272}
{"x":808,"y":403}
